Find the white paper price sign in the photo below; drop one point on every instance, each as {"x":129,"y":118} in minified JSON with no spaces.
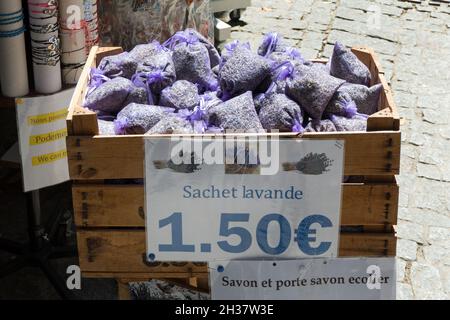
{"x":41,"y":123}
{"x":304,"y":279}
{"x":221,"y":199}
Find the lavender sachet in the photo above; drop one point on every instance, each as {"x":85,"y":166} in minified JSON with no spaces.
{"x":344,"y":64}
{"x":312,"y":89}
{"x":191,"y":59}
{"x":155,"y":72}
{"x":181,"y":95}
{"x":325,"y":125}
{"x":120,"y":65}
{"x":172,"y":124}
{"x":236,"y":114}
{"x":278,"y":112}
{"x":214,"y":57}
{"x":106,"y":127}
{"x":109,"y":97}
{"x":272,"y":42}
{"x":243,"y":71}
{"x":139,"y":118}
{"x":357,"y":123}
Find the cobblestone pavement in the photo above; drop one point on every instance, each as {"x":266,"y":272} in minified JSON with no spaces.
{"x":412,"y":40}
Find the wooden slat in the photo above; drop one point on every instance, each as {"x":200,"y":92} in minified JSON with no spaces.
{"x":117,"y":253}
{"x":105,"y":52}
{"x":122,"y":157}
{"x":123,"y":205}
{"x":80,"y":89}
{"x":387,"y":118}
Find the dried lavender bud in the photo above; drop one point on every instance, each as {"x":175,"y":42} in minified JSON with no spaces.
{"x":320,"y":126}
{"x":279,"y":112}
{"x":242,"y":72}
{"x":110,"y":96}
{"x":181,"y":95}
{"x":120,"y":65}
{"x":272,"y":42}
{"x":236,"y":114}
{"x":312,"y":89}
{"x":138,"y":95}
{"x":356,"y":123}
{"x":346,"y":65}
{"x":214,"y":56}
{"x":139,"y":118}
{"x":172,"y":124}
{"x":366,"y":99}
{"x":106,"y":128}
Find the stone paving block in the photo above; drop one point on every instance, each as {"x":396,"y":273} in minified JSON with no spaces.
{"x":434,"y":102}
{"x":439,"y":234}
{"x":436,"y":255}
{"x":317,"y":27}
{"x":351,"y":14}
{"x":411,"y":231}
{"x":404,"y":291}
{"x":436,"y":117}
{"x":346,"y":25}
{"x":425,"y":217}
{"x":407,"y":249}
{"x":426,"y":282}
{"x":429,"y":194}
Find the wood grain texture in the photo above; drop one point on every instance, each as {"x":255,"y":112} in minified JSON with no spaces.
{"x":122,"y":157}
{"x":100,"y":205}
{"x":387,"y":117}
{"x":76,"y":112}
{"x":120,"y":253}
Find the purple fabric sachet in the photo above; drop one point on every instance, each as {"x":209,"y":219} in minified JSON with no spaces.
{"x":272,"y":42}
{"x":325,"y":125}
{"x":243,"y":71}
{"x":344,"y":64}
{"x":312,"y":89}
{"x":181,"y":95}
{"x":357,"y":123}
{"x":110,"y":96}
{"x":156,"y":71}
{"x":172,"y":124}
{"x":214,"y":56}
{"x":278,"y":112}
{"x":191,"y":59}
{"x":139,"y":118}
{"x":106,"y":128}
{"x":350,"y":99}
{"x":120,"y":65}
{"x":236,"y":114}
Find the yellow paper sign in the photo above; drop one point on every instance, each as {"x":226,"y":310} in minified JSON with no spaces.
{"x":47,"y":117}
{"x":48,"y":137}
{"x":48,"y":158}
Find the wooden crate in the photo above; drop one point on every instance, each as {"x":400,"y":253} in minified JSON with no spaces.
{"x":110,"y":216}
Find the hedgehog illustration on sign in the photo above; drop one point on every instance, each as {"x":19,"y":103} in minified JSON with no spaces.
{"x":312,"y":163}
